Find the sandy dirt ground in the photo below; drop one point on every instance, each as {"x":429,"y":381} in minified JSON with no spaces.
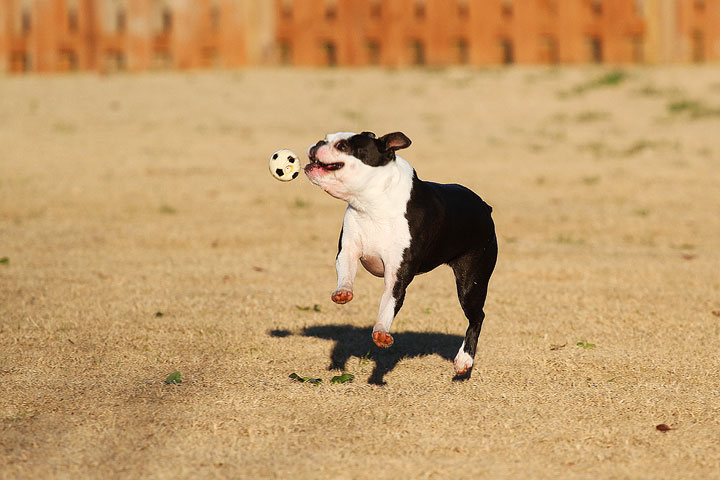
{"x":141,"y":234}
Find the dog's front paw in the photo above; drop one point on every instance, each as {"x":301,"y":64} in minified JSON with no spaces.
{"x":463,"y":362}
{"x":341,"y":295}
{"x":383,"y":339}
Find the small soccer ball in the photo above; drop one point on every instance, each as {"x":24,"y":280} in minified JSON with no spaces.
{"x":284,"y":165}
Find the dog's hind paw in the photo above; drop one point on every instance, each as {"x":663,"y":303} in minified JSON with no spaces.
{"x":463,"y":362}
{"x":383,"y":339}
{"x":341,"y":296}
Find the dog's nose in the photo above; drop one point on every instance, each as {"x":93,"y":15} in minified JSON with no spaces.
{"x":313,"y":150}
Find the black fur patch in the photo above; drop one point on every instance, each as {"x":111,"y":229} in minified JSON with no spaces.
{"x":446,"y":221}
{"x":450,"y":224}
{"x":377,"y":152}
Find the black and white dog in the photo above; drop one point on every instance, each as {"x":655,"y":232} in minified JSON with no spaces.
{"x":399,"y":226}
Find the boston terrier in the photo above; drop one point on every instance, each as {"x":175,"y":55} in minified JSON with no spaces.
{"x":399,"y":226}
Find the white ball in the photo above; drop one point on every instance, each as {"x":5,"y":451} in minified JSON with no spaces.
{"x":284,"y":165}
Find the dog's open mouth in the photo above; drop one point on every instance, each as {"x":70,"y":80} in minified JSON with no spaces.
{"x":314,"y":163}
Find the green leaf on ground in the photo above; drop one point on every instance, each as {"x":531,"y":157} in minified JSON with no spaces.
{"x":363,"y":359}
{"x":4,"y":261}
{"x":314,"y":381}
{"x":175,"y":378}
{"x":585,"y":345}
{"x":345,"y":377}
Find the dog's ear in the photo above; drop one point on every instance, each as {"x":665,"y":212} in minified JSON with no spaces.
{"x":369,"y":134}
{"x":394,"y":141}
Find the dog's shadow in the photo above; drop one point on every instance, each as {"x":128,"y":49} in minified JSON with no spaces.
{"x":357,"y":342}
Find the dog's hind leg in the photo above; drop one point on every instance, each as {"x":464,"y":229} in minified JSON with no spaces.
{"x":472,"y":275}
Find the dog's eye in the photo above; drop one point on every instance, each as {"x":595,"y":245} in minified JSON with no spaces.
{"x":343,"y":146}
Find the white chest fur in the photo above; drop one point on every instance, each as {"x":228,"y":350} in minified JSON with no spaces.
{"x":381,"y":242}
{"x":375,"y":221}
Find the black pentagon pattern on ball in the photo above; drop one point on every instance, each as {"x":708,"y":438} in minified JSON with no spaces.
{"x":275,"y":156}
{"x":279,"y":172}
{"x":291,"y":159}
{"x":295,"y":175}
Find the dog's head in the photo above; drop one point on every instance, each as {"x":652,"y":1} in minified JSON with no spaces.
{"x":344,"y":164}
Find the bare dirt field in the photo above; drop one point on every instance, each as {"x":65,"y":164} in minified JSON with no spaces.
{"x":141,"y":234}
